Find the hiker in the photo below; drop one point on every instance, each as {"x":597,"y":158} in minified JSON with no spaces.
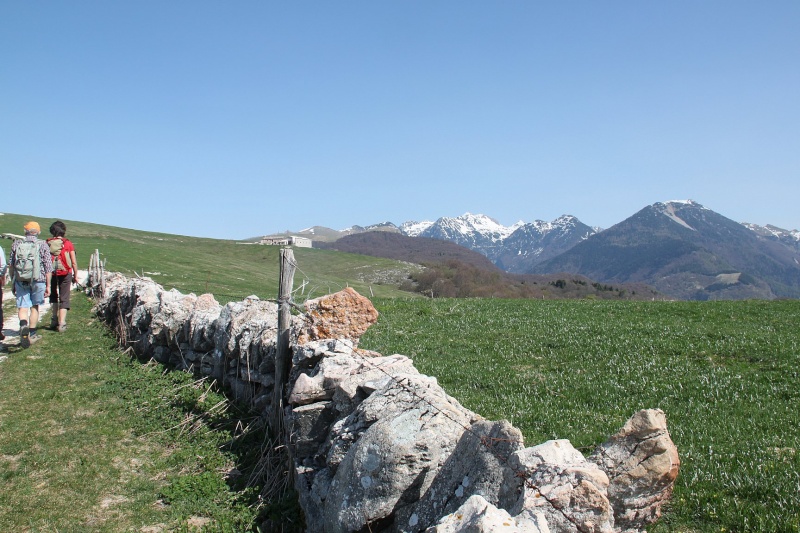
{"x":31,"y":268}
{"x":65,"y":271}
{"x":3,"y":272}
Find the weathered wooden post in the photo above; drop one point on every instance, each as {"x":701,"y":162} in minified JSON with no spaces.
{"x":283,"y":355}
{"x":102,"y":277}
{"x":94,"y":271}
{"x":90,"y":277}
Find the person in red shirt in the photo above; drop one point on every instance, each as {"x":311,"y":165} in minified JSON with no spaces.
{"x":65,"y":266}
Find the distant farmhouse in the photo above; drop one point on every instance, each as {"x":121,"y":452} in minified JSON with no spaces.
{"x":300,"y":242}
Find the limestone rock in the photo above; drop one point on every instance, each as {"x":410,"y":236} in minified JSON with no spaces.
{"x":169,"y":317}
{"x":476,"y":515}
{"x":241,"y":323}
{"x":565,"y":488}
{"x":386,"y":453}
{"x":339,"y":376}
{"x":642,"y":463}
{"x":477,"y":466}
{"x":198,"y":331}
{"x":308,"y":427}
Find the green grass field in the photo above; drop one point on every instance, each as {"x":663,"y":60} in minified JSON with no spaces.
{"x":725,"y":373}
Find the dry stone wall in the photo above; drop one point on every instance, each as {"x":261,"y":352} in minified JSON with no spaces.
{"x":377,"y":446}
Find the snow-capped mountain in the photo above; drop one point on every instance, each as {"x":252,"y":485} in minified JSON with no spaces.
{"x":514,"y":248}
{"x":535,"y":242}
{"x":476,"y":232}
{"x":790,"y":238}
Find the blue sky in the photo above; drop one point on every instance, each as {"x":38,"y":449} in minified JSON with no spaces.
{"x":237,"y":119}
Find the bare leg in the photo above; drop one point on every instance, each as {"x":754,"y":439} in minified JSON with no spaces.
{"x":34,"y":316}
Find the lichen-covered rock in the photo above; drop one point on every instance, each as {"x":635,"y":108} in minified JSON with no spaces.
{"x":385,"y":455}
{"x":241,"y":323}
{"x":308,"y":427}
{"x":198,"y":330}
{"x":169,"y":318}
{"x":477,"y":466}
{"x":642,"y":463}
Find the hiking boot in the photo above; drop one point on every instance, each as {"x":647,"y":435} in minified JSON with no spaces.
{"x":33,"y":338}
{"x":2,"y":336}
{"x":62,"y":328}
{"x":24,"y":334}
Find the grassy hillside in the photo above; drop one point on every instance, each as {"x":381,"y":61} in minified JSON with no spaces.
{"x":227,"y":269}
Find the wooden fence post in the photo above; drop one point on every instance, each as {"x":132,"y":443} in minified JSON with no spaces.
{"x":283,"y":355}
{"x":94,"y":270}
{"x":90,"y":276}
{"x":102,"y":277}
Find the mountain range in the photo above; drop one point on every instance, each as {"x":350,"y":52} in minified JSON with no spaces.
{"x":680,"y":248}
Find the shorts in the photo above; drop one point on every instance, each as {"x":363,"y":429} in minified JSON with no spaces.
{"x":29,"y":294}
{"x":60,"y":287}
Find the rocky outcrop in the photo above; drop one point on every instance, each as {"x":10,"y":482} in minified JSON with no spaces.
{"x":377,"y":446}
{"x":642,"y":463}
{"x":561,"y":485}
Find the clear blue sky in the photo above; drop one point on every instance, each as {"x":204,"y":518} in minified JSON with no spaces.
{"x":237,"y":119}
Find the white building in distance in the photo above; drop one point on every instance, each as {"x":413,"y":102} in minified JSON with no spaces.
{"x":300,"y":242}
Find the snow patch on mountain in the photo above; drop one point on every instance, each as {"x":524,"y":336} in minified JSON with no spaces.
{"x":685,"y":203}
{"x":413,"y":228}
{"x":790,"y":238}
{"x":481,"y":224}
{"x":478,"y":232}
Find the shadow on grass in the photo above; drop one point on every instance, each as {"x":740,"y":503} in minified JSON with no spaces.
{"x":260,"y":477}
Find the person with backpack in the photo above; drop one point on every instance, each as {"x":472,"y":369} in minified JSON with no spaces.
{"x":31,"y":268}
{"x":3,"y":272}
{"x":65,"y":271}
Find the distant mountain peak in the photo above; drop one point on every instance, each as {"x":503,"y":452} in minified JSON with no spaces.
{"x":670,"y":210}
{"x":717,"y":259}
{"x":469,"y":227}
